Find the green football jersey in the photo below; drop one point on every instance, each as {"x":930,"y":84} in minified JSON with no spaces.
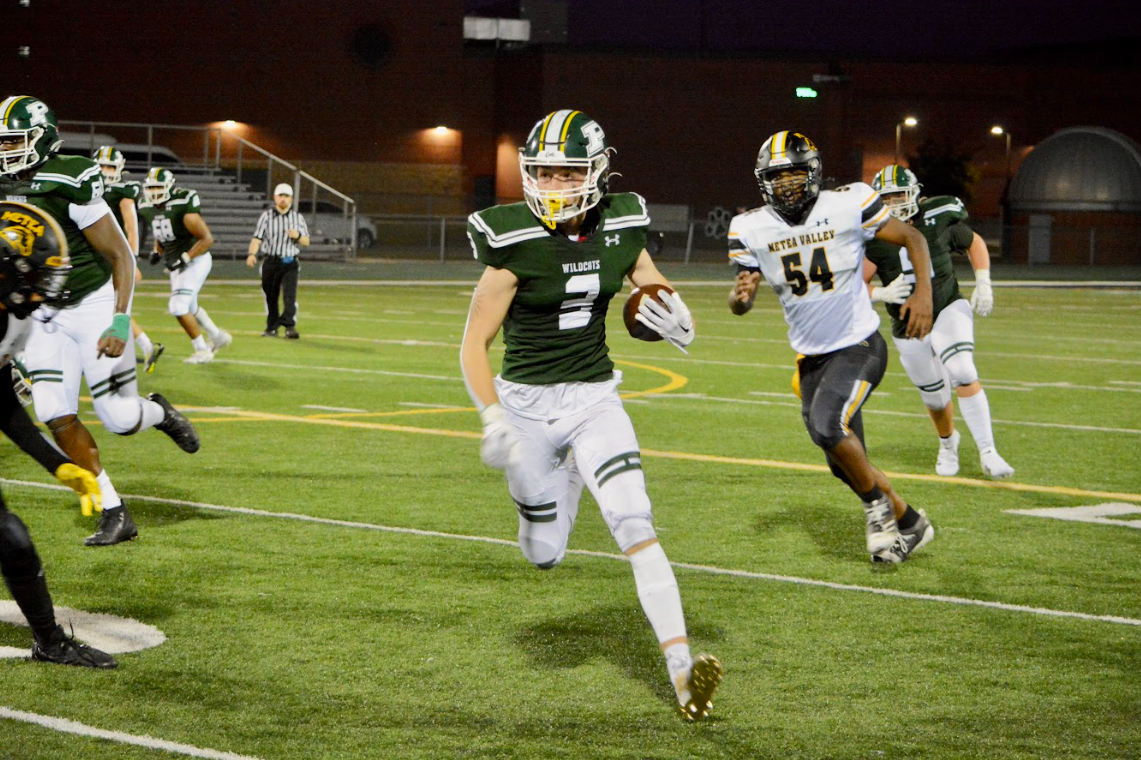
{"x":555,"y":329}
{"x":167,"y":222}
{"x":115,"y":193}
{"x":55,"y":185}
{"x":942,"y":220}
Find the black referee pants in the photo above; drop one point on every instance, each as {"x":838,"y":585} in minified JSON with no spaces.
{"x":279,"y":280}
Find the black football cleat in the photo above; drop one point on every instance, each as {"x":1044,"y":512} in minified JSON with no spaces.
{"x":115,"y":526}
{"x":174,"y":424}
{"x":291,"y":333}
{"x":62,"y":649}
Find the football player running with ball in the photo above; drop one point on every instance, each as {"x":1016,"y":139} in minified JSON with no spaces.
{"x":553,"y":418}
{"x":182,"y":244}
{"x":946,"y":356}
{"x":809,"y":245}
{"x":84,"y":329}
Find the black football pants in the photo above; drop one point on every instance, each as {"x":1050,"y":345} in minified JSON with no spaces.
{"x":279,"y":280}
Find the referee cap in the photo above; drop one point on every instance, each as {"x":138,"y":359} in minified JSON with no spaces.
{"x":283,"y":189}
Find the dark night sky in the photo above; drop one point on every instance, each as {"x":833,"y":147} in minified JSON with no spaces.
{"x":887,"y":28}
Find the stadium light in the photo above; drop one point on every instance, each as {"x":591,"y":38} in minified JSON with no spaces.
{"x":805,"y":92}
{"x":909,"y":121}
{"x":998,"y":131}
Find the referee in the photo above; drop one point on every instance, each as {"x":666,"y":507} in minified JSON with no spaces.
{"x":280,"y":235}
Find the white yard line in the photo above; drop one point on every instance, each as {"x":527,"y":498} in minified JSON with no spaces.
{"x":333,"y":408}
{"x":607,"y":555}
{"x":81,"y":729}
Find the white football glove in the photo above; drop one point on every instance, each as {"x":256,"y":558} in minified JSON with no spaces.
{"x":500,"y":447}
{"x":896,"y":291}
{"x":982,"y":299}
{"x":672,"y":321}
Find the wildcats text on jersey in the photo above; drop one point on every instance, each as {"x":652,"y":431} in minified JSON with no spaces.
{"x":582,"y":266}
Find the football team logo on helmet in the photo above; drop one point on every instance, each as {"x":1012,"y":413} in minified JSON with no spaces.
{"x":157,"y":185}
{"x":899,"y":188}
{"x":29,"y":134}
{"x":565,"y":140}
{"x":111,"y":161}
{"x":33,"y":259}
{"x":789,"y":174}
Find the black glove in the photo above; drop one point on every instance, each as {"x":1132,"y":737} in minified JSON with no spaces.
{"x":181,"y":262}
{"x":154,"y":258}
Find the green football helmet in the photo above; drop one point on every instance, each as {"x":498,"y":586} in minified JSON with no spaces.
{"x":899,"y":188}
{"x":33,"y":259}
{"x":789,"y":153}
{"x":111,"y":161}
{"x":157,"y":185}
{"x":29,"y":133}
{"x":565,"y":139}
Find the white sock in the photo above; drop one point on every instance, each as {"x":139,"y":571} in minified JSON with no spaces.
{"x":661,"y":600}
{"x":976,"y":413}
{"x":152,"y":413}
{"x":199,"y":344}
{"x":111,"y":498}
{"x":144,"y":344}
{"x":206,"y":323}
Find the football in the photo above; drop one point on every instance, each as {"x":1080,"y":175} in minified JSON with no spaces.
{"x":633,"y":326}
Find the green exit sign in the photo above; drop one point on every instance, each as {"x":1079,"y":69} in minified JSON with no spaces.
{"x":805,"y":92}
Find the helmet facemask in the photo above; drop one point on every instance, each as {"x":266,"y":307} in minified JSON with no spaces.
{"x":19,"y":149}
{"x":157,"y":187}
{"x":791,"y":190}
{"x":899,"y":189}
{"x":111,"y":162}
{"x":554,"y":206}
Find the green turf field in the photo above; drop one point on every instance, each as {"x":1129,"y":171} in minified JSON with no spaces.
{"x":402,"y":622}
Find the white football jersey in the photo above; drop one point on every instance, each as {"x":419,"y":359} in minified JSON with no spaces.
{"x":816,"y":268}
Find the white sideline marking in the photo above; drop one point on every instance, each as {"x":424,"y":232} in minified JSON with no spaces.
{"x":111,"y":633}
{"x":621,"y":557}
{"x":1098,"y":513}
{"x":72,"y":727}
{"x":332,"y":408}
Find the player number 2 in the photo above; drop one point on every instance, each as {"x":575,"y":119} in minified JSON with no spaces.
{"x":575,"y":312}
{"x":818,"y":271}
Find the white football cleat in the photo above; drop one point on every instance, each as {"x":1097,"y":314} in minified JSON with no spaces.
{"x":220,"y":341}
{"x":994,"y":466}
{"x":200,"y":357}
{"x":947,"y":463}
{"x":882,"y":531}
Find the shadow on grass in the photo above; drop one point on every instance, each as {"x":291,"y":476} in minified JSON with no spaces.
{"x":835,"y":529}
{"x":619,"y":634}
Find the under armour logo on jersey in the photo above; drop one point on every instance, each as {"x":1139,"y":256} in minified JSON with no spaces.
{"x":611,"y":240}
{"x":35,"y":185}
{"x":821,"y":223}
{"x":929,"y":222}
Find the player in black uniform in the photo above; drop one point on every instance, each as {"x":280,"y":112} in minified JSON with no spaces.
{"x":33,"y":267}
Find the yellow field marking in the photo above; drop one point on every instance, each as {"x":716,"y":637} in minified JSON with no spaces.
{"x":676,"y":381}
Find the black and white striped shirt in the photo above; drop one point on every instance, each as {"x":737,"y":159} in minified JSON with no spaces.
{"x":273,"y":232}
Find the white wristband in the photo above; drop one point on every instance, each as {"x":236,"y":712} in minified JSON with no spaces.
{"x":982,"y":275}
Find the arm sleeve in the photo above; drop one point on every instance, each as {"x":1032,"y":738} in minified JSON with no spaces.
{"x":17,"y":425}
{"x":481,"y":249}
{"x":960,"y":236}
{"x":739,"y":252}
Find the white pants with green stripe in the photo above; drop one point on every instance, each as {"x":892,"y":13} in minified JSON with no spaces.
{"x":64,"y":348}
{"x":574,"y":434}
{"x":945,"y":358}
{"x":186,"y":284}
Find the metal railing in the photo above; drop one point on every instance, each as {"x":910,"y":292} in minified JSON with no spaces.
{"x":218,"y":145}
